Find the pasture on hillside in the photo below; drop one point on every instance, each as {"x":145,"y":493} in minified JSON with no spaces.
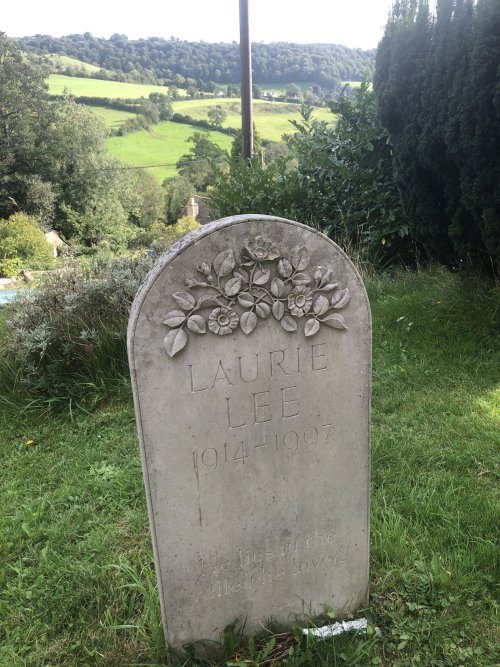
{"x":113,"y":118}
{"x":271,"y":118}
{"x":166,"y":142}
{"x":81,"y":87}
{"x":163,"y":145}
{"x":60,"y":62}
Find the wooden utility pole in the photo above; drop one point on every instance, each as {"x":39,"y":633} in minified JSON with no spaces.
{"x":246,"y":82}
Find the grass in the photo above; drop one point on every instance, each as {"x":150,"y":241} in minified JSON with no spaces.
{"x":163,"y":145}
{"x":76,"y":566}
{"x":112,"y":118}
{"x":66,"y":61}
{"x":280,"y":88}
{"x":78,"y":87}
{"x":166,"y":142}
{"x":271,"y":118}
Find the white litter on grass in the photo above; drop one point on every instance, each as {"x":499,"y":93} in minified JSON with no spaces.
{"x":338,"y":628}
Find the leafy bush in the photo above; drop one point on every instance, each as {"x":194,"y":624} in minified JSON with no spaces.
{"x":22,"y":239}
{"x":173,"y":232}
{"x":10,"y":268}
{"x":67,"y":339}
{"x":342,"y":182}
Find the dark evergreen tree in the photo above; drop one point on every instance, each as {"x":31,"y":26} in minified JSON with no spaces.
{"x":437,"y":81}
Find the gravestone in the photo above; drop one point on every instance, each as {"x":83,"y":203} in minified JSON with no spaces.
{"x":250,"y":353}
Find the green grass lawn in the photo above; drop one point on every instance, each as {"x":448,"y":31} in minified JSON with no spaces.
{"x":99,"y":88}
{"x":76,"y":567}
{"x":163,"y":145}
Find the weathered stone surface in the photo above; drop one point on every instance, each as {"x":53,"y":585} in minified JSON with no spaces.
{"x":250,"y":350}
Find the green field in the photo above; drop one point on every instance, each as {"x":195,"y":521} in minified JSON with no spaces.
{"x":166,"y":142}
{"x":280,"y":88}
{"x":112,"y":118}
{"x":163,"y":145}
{"x":271,"y":118}
{"x":98,"y":88}
{"x":61,"y":62}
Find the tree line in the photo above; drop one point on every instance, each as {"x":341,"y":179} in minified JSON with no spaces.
{"x":182,"y":63}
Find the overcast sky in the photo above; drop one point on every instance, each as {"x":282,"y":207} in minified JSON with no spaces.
{"x":355,"y":23}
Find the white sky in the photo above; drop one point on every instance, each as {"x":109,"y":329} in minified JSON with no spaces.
{"x":355,"y":23}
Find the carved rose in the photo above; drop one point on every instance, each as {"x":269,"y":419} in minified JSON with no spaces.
{"x":300,"y":301}
{"x":223,"y":320}
{"x":262,"y":249}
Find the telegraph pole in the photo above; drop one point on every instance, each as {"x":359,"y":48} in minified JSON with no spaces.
{"x":246,"y":82}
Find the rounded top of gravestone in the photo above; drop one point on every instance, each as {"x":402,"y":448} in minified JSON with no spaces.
{"x":262,"y":266}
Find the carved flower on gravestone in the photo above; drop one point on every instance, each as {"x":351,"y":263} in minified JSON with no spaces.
{"x":259,"y":287}
{"x":262,"y":249}
{"x":223,"y":320}
{"x":300,"y":301}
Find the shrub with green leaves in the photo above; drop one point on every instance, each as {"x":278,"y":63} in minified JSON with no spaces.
{"x":22,"y":245}
{"x":67,"y":339}
{"x":340,"y":181}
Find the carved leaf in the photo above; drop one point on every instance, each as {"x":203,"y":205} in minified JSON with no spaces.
{"x":328,"y":287}
{"x":311,"y":327}
{"x":261,"y":276}
{"x":277,"y":287}
{"x":335,"y":322}
{"x":278,"y":309}
{"x":248,"y":321}
{"x":321,"y":305}
{"x":196,"y":324}
{"x":341,"y":298}
{"x":242,"y":273}
{"x":301,"y":279}
{"x":318,"y":273}
{"x":285,"y":268}
{"x":233,"y":286}
{"x":300,"y":259}
{"x":174,"y":318}
{"x":175,"y":341}
{"x":325,"y":278}
{"x":246,"y":300}
{"x":206,"y":301}
{"x":224,"y":263}
{"x":184,"y":300}
{"x":288,"y":323}
{"x":263,"y":310}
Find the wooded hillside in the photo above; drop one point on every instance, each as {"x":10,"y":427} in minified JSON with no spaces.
{"x":157,"y":60}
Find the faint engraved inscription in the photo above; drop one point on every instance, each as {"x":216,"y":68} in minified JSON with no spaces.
{"x":230,"y":295}
{"x":250,"y":569}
